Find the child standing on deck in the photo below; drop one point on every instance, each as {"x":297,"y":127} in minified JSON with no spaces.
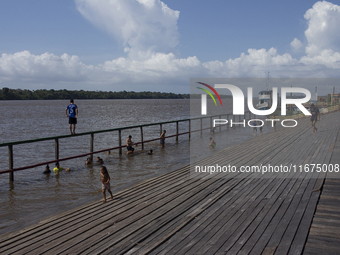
{"x":105,"y":178}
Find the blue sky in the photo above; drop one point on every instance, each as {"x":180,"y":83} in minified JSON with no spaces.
{"x":159,"y":45}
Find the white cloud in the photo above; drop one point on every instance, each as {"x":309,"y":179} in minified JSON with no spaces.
{"x":323,"y":32}
{"x":328,"y":58}
{"x":144,"y":26}
{"x":254,"y":64}
{"x":26,"y":66}
{"x":296,"y":44}
{"x":49,"y":69}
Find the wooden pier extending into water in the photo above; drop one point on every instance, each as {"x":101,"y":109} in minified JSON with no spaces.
{"x":187,"y":213}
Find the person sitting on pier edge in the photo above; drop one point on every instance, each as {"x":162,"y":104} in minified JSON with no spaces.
{"x":47,"y":170}
{"x":129,"y":144}
{"x":150,"y":152}
{"x":88,"y":161}
{"x":59,"y":168}
{"x":105,"y":179}
{"x":100,"y":160}
{"x":212,"y":143}
{"x":163,"y":138}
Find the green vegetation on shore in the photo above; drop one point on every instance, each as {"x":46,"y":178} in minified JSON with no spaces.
{"x":43,"y":94}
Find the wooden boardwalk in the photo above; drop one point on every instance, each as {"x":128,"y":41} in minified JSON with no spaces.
{"x":324,"y":235}
{"x":187,"y":213}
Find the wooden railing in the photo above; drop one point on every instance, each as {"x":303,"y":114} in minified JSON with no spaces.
{"x":56,"y":139}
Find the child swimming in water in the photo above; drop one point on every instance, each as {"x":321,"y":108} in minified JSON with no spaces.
{"x":58,"y":168}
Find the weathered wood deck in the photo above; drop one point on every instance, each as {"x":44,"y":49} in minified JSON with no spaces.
{"x":179,"y":213}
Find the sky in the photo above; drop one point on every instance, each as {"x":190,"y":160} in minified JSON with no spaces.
{"x":153,"y":45}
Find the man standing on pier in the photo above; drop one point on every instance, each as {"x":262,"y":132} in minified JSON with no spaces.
{"x":314,"y":117}
{"x":72,"y":113}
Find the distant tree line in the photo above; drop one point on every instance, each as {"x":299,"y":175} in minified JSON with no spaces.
{"x":43,"y":94}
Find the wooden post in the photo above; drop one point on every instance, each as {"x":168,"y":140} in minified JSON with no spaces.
{"x":201,"y":127}
{"x":120,"y":140}
{"x":141,"y":137}
{"x":176,"y":131}
{"x":91,"y":146}
{"x":160,"y":129}
{"x":10,"y":162}
{"x":56,"y":148}
{"x":189,"y":129}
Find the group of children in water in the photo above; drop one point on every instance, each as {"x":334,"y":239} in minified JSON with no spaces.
{"x":104,"y":175}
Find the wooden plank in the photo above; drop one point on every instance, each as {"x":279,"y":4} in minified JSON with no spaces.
{"x":202,"y":231}
{"x":208,"y":216}
{"x":260,"y":221}
{"x":326,"y":221}
{"x":269,"y":251}
{"x":264,"y":231}
{"x":327,"y":208}
{"x":326,"y":247}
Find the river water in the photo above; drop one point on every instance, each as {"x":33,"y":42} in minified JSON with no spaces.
{"x":34,"y":196}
